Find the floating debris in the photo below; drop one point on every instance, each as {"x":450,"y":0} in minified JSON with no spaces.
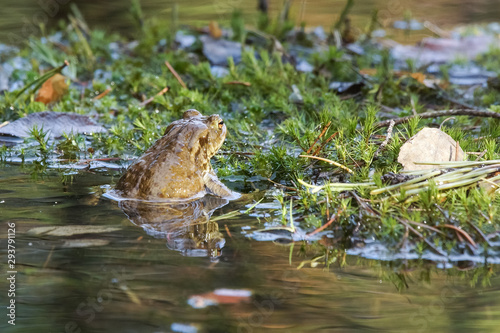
{"x":71,"y":230}
{"x":220,"y":296}
{"x":80,"y":243}
{"x":54,"y":123}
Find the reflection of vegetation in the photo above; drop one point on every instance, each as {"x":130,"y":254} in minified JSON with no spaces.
{"x":403,"y":274}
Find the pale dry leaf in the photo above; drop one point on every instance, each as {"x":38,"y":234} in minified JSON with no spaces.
{"x":71,"y":230}
{"x":55,"y":123}
{"x":429,"y":145}
{"x":79,"y":243}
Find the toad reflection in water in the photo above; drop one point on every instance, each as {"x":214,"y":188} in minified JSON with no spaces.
{"x":172,"y":190}
{"x":185,"y":225}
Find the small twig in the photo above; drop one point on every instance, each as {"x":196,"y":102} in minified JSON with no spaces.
{"x":93,"y":160}
{"x":460,"y":232}
{"x":101,"y":159}
{"x":324,"y":143}
{"x":172,"y":70}
{"x":483,"y":236}
{"x":421,"y":237}
{"x":327,"y":207}
{"x":481,"y":154}
{"x":287,"y":187}
{"x":4,"y":124}
{"x":149,"y":100}
{"x":46,"y":263}
{"x":346,"y":97}
{"x":323,"y":227}
{"x":104,"y":93}
{"x":319,"y":136}
{"x":413,"y":108}
{"x":434,"y":114}
{"x":449,"y":118}
{"x":328,"y":161}
{"x":228,"y":232}
{"x":241,"y":83}
{"x":422,"y":225}
{"x":387,"y":138}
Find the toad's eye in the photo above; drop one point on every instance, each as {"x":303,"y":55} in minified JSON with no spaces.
{"x":221,"y":123}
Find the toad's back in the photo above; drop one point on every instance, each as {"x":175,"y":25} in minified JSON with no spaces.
{"x":177,"y":166}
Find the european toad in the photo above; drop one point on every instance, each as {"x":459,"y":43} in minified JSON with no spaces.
{"x":177,"y":166}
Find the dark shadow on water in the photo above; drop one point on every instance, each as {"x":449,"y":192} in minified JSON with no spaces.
{"x":186,"y":226}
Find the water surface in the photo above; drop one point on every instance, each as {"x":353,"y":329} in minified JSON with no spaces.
{"x":127,"y":280}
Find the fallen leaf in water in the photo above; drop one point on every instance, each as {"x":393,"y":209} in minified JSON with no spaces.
{"x":220,"y":296}
{"x":76,"y":243}
{"x":71,"y":230}
{"x":52,"y":90}
{"x":429,"y":145}
{"x":55,"y":123}
{"x":214,"y":29}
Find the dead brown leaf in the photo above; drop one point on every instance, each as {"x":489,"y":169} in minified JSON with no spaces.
{"x":214,"y":29}
{"x":420,"y":77}
{"x":53,"y":89}
{"x":368,"y":71}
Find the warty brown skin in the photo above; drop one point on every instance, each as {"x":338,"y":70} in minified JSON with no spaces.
{"x":177,"y":166}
